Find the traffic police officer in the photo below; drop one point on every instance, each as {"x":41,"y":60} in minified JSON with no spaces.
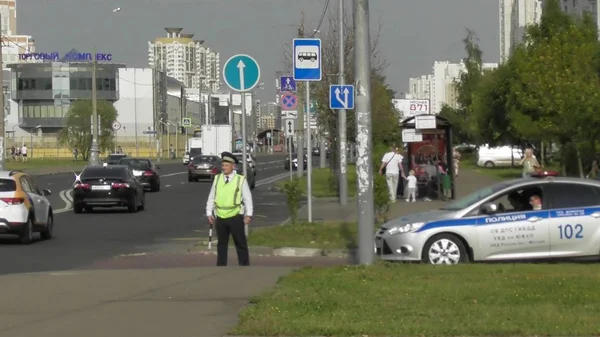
{"x":230,"y":200}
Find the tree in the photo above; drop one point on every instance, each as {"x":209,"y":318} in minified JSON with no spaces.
{"x":78,"y":131}
{"x":557,"y":85}
{"x":462,"y":117}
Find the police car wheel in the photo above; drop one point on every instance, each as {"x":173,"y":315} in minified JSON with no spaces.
{"x":445,"y":249}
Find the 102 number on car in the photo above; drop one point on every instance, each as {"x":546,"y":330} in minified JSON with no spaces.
{"x":570,"y":232}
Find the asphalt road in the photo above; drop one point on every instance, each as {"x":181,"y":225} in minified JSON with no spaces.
{"x":174,"y":218}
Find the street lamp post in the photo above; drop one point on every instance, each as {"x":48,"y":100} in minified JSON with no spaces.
{"x":95,"y":148}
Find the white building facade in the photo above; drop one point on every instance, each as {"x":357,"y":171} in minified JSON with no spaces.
{"x":135,"y":107}
{"x":419,"y":87}
{"x":185,"y":59}
{"x":443,"y":83}
{"x":515,"y":16}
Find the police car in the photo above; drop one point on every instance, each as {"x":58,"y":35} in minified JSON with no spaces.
{"x":24,"y":208}
{"x":522,"y":219}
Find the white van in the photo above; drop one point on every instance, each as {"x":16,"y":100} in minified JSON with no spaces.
{"x":498,"y":156}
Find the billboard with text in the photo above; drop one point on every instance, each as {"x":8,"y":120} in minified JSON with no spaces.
{"x":411,"y":107}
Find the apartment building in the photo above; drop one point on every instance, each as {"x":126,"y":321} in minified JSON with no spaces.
{"x":515,"y":16}
{"x":185,"y":59}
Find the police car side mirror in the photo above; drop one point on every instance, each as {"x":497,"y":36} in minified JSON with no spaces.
{"x":489,"y":208}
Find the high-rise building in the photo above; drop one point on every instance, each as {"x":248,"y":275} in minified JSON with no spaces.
{"x":13,"y":44}
{"x":515,"y":16}
{"x":578,"y":7}
{"x":419,"y":87}
{"x":185,"y":59}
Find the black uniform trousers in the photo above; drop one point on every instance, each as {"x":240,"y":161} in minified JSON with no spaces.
{"x":235,"y":227}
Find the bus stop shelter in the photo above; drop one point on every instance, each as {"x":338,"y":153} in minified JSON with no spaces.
{"x":428,"y":139}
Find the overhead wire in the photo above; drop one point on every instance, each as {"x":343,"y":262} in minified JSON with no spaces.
{"x":322,"y":19}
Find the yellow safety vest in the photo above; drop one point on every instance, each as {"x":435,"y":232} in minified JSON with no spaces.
{"x":228,"y":197}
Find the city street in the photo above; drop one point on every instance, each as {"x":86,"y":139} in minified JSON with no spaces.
{"x":173,"y":220}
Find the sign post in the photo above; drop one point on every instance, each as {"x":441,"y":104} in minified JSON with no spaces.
{"x":289,"y":132}
{"x":308,"y":68}
{"x":242,"y":73}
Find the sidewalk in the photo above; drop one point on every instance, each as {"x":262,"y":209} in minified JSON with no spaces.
{"x":329,"y":209}
{"x":151,"y":303}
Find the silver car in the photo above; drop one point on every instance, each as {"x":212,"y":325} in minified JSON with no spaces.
{"x":500,"y":223}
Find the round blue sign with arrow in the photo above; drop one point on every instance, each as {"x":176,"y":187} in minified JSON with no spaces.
{"x":241,"y":73}
{"x":289,"y":101}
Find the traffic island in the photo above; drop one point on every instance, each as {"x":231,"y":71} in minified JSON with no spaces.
{"x":331,"y":239}
{"x":389,"y":299}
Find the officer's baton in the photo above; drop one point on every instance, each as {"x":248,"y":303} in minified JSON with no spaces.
{"x":210,"y":237}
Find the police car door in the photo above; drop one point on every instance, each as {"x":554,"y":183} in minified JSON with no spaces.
{"x":509,"y":234}
{"x":575,"y":219}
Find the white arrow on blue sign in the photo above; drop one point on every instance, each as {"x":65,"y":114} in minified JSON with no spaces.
{"x":307,"y":60}
{"x":341,"y":97}
{"x":287,"y":83}
{"x":241,"y":73}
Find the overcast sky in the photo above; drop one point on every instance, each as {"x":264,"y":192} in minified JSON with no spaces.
{"x":415,"y":32}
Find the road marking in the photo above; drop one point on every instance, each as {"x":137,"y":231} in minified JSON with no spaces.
{"x":167,"y":185}
{"x":134,"y":254}
{"x":172,"y":174}
{"x":66,"y":197}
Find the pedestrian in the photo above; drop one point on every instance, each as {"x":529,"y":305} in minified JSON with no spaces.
{"x":455,"y":161}
{"x":412,"y":187}
{"x":529,"y":163}
{"x":229,"y":208}
{"x":75,"y":154}
{"x":391,"y":167}
{"x":446,"y":183}
{"x":13,"y":152}
{"x":24,"y":152}
{"x":594,"y":171}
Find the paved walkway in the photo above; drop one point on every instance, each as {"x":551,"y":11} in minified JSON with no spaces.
{"x":329,"y":209}
{"x":151,"y":303}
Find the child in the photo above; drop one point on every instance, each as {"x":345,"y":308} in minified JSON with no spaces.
{"x":412,"y":186}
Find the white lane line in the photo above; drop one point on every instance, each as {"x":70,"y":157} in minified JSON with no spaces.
{"x":167,"y":185}
{"x":66,"y":197}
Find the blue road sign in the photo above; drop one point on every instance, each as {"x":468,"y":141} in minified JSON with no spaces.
{"x":289,"y":101}
{"x":287,"y":83}
{"x":241,"y":73}
{"x":341,"y":97}
{"x":307,"y":60}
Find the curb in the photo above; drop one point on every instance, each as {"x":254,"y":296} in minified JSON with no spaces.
{"x":280,"y":252}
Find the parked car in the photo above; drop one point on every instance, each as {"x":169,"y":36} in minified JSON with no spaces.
{"x":114,"y":158}
{"x":251,"y":175}
{"x":498,"y":156}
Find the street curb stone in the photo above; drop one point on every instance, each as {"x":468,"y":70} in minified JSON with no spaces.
{"x":279,"y":252}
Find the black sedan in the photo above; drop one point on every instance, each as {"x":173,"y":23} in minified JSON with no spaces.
{"x":108,"y":186}
{"x":203,"y":167}
{"x":295,"y":162}
{"x":114,"y":158}
{"x":145,"y":170}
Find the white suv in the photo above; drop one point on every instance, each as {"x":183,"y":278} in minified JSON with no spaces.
{"x":24,"y":208}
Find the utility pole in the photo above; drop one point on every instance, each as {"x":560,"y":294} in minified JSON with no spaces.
{"x":2,"y":114}
{"x":364,"y":163}
{"x":343,"y":178}
{"x":232,"y":121}
{"x":95,"y":149}
{"x":300,"y":126}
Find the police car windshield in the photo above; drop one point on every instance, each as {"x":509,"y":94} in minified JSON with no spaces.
{"x":474,"y":197}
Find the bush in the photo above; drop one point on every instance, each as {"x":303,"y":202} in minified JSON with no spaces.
{"x":293,"y":193}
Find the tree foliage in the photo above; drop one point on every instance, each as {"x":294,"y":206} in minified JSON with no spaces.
{"x":78,"y":132}
{"x":548,"y":91}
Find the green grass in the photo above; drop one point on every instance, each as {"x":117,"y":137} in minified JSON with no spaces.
{"x":321,"y":187}
{"x":333,"y":235}
{"x":43,"y":163}
{"x":422,"y":300}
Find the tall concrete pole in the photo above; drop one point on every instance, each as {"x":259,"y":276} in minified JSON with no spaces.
{"x":300,"y":121}
{"x":343,"y":178}
{"x":95,"y":149}
{"x":364,"y":160}
{"x":2,"y":113}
